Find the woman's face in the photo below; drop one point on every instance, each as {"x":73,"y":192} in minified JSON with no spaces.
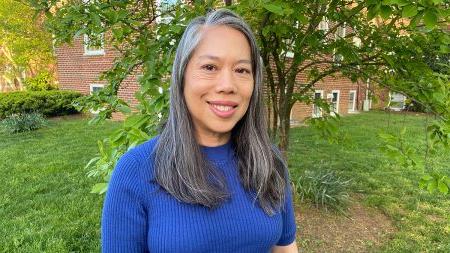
{"x":218,"y":83}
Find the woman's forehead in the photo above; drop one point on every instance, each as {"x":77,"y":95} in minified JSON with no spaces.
{"x":221,"y":41}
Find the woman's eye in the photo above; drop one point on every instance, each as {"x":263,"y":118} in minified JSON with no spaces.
{"x":243,"y":71}
{"x":209,"y":67}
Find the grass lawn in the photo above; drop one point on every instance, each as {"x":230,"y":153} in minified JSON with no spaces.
{"x":45,"y":205}
{"x":421,"y":220}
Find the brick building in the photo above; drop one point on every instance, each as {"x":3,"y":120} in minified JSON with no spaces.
{"x":79,"y":67}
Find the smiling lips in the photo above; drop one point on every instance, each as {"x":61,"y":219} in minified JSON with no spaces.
{"x":223,"y":109}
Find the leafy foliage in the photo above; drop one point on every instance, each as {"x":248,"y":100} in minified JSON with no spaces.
{"x":23,"y":122}
{"x":42,"y":81}
{"x":49,"y":103}
{"x":395,"y":37}
{"x":435,"y":182}
{"x":325,"y":189}
{"x":396,"y":148}
{"x":25,"y":45}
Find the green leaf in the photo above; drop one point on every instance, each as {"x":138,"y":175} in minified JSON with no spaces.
{"x":385,"y":11}
{"x":272,"y":7}
{"x":443,"y":187}
{"x":91,"y":162}
{"x":430,"y":18}
{"x":444,"y":49}
{"x":432,"y":186}
{"x":389,"y":2}
{"x":427,"y":177}
{"x":409,"y":11}
{"x":372,"y":11}
{"x":437,"y":1}
{"x":99,"y":188}
{"x":303,"y":20}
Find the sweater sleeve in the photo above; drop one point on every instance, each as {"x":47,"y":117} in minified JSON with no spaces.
{"x":288,"y":216}
{"x":124,"y":221}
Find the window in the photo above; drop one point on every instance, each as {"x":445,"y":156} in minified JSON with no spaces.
{"x":94,"y":46}
{"x":339,"y":34}
{"x":290,"y":44}
{"x":92,"y":89}
{"x":334,"y":105}
{"x":316,"y":110}
{"x":352,"y":101}
{"x":396,"y":101}
{"x":95,"y":87}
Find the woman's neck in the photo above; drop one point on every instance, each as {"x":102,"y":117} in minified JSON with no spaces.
{"x":213,"y":140}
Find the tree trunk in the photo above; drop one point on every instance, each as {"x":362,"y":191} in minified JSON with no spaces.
{"x":274,"y":122}
{"x":284,"y":134}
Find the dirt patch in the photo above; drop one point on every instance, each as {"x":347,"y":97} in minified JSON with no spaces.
{"x":321,"y":231}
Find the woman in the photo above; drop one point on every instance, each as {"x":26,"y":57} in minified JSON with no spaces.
{"x":211,"y":182}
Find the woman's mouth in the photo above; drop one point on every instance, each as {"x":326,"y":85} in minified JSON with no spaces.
{"x":223,"y":109}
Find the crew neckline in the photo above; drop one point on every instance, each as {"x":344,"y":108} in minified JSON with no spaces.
{"x":219,"y":153}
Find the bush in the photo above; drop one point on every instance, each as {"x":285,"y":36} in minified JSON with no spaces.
{"x":17,"y":123}
{"x":325,"y":189}
{"x":49,"y":103}
{"x":413,"y":106}
{"x":42,"y":81}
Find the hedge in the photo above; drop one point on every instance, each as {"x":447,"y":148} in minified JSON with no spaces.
{"x":49,"y":103}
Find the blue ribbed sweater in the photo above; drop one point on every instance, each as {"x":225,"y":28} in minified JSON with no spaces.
{"x":138,"y":216}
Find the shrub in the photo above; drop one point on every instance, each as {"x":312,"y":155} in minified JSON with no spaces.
{"x":49,"y":103}
{"x":17,"y":123}
{"x":413,"y":106}
{"x":325,"y":189}
{"x":42,"y":81}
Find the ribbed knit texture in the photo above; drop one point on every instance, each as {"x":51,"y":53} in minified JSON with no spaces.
{"x":139,"y":216}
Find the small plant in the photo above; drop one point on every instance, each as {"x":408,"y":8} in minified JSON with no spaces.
{"x":325,"y":189}
{"x":23,"y":122}
{"x":42,"y":81}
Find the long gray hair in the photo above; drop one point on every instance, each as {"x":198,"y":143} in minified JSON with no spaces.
{"x":180,"y":166}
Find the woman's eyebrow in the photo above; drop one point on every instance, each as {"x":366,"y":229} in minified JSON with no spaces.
{"x":216,"y":58}
{"x":245,"y":61}
{"x":207,"y":56}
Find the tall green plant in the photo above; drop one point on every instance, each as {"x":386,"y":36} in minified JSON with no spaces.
{"x":25,"y":45}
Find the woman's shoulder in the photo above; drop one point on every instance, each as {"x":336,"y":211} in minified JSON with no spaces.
{"x":144,"y":150}
{"x":138,"y":160}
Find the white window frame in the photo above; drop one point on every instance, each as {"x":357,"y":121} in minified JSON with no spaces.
{"x":314,"y":106}
{"x":95,"y":85}
{"x":91,"y":91}
{"x":290,"y":54}
{"x":400,"y":104}
{"x":336,"y":36}
{"x":337,"y":101}
{"x":89,"y":52}
{"x":350,"y":110}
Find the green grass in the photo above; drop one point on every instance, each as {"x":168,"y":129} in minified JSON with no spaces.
{"x":422,"y":219}
{"x":45,"y":204}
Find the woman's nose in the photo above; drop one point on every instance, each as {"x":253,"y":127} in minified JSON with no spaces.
{"x":226,"y":82}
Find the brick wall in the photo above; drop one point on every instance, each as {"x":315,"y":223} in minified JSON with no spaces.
{"x":77,"y":71}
